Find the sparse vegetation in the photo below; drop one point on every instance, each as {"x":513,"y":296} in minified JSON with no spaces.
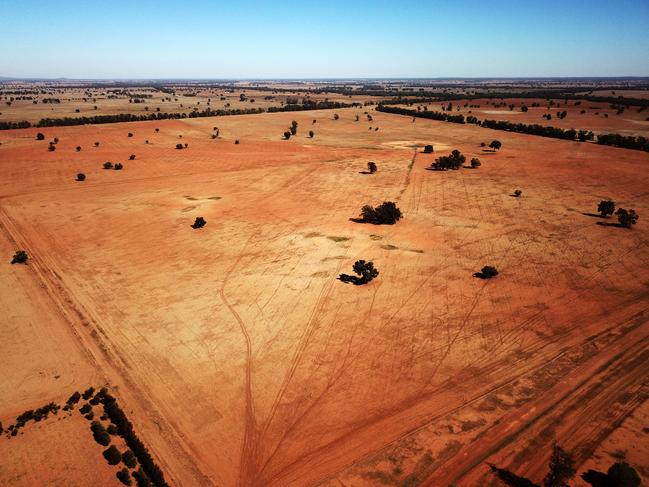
{"x":365,"y":272}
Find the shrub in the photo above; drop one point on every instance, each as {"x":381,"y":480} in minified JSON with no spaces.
{"x":112,"y":455}
{"x":365,"y":271}
{"x":199,"y":222}
{"x":96,"y":144}
{"x":336,"y":117}
{"x":81,"y":177}
{"x":606,"y":207}
{"x":107,"y":165}
{"x":287,"y":135}
{"x":475,"y":162}
{"x":386,"y":213}
{"x":626,"y":218}
{"x":495,"y":145}
{"x":157,"y":130}
{"x":428,"y":149}
{"x":78,"y":148}
{"x":131,"y":157}
{"x":124,"y":476}
{"x":130,"y":134}
{"x":311,"y":134}
{"x":129,"y":459}
{"x":179,"y":146}
{"x":20,"y":257}
{"x":482,"y":144}
{"x":314,"y":120}
{"x":236,"y":142}
{"x":518,"y":193}
{"x":51,"y":147}
{"x":371,"y":167}
{"x":40,"y":136}
{"x":119,"y":166}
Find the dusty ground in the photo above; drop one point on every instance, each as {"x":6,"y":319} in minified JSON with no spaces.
{"x":242,"y":360}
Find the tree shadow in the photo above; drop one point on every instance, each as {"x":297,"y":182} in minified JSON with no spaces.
{"x":469,"y":167}
{"x":371,"y":222}
{"x":594,"y":215}
{"x":364,"y":172}
{"x":610,"y":224}
{"x":480,"y":275}
{"x":516,"y":195}
{"x":355,"y":280}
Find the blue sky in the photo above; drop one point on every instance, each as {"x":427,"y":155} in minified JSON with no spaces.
{"x":269,"y":39}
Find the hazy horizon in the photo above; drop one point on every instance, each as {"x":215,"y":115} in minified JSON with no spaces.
{"x":292,"y":40}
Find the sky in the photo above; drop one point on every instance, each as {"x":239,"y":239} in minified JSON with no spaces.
{"x":325,"y":39}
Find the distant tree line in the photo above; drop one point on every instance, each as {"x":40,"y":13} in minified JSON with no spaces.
{"x":616,"y":140}
{"x":312,"y":105}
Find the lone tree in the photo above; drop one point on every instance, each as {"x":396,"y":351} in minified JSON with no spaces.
{"x":620,"y":474}
{"x":518,"y":193}
{"x":453,"y":161}
{"x":428,"y":149}
{"x":487,"y":272}
{"x":371,"y":167}
{"x":108,"y":165}
{"x":199,"y":222}
{"x":287,"y":135}
{"x":386,"y":213}
{"x":562,"y":469}
{"x":495,"y":145}
{"x":606,"y":207}
{"x":626,"y":218}
{"x":293,"y":127}
{"x":311,"y":134}
{"x":365,"y":271}
{"x":40,"y":136}
{"x":20,"y":257}
{"x":475,"y":162}
{"x":81,"y":177}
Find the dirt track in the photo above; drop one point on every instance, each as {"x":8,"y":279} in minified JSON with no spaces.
{"x":243,"y":360}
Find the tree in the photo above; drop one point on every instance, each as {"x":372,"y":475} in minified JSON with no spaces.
{"x":518,"y":193}
{"x":386,"y":213}
{"x":131,"y":157}
{"x":119,"y":166}
{"x":371,"y":167}
{"x":453,"y":161}
{"x":20,"y":257}
{"x":510,"y":478}
{"x":180,"y":146}
{"x":606,"y":207}
{"x":96,"y":144}
{"x":78,"y":148}
{"x":108,"y":165}
{"x":51,"y":147}
{"x":130,"y":134}
{"x":129,"y":459}
{"x":626,"y":218}
{"x":81,"y":177}
{"x":199,"y":222}
{"x":475,"y":162}
{"x":428,"y":149}
{"x":311,"y":134}
{"x":40,"y":136}
{"x":495,"y":145}
{"x":99,"y":433}
{"x":561,"y":470}
{"x":293,"y":127}
{"x":157,"y":130}
{"x":287,"y":135}
{"x":620,"y":474}
{"x":524,"y":108}
{"x":488,"y":271}
{"x":336,"y":117}
{"x":236,"y":142}
{"x":365,"y":271}
{"x":483,"y":144}
{"x":112,"y":455}
{"x":123,"y":476}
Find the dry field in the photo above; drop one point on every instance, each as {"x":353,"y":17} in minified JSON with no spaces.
{"x":240,"y":357}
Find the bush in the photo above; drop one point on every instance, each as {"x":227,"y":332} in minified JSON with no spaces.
{"x":81,"y":177}
{"x":129,"y":459}
{"x":199,"y":222}
{"x":20,"y":257}
{"x":428,"y":149}
{"x":112,"y":429}
{"x":40,"y":136}
{"x":386,"y":213}
{"x":131,"y":157}
{"x":606,"y":207}
{"x":371,"y":167}
{"x":107,"y":165}
{"x":620,"y":474}
{"x":112,"y":455}
{"x":626,"y":218}
{"x":475,"y":162}
{"x":124,"y":476}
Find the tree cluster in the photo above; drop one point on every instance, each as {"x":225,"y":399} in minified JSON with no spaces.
{"x":387,"y":213}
